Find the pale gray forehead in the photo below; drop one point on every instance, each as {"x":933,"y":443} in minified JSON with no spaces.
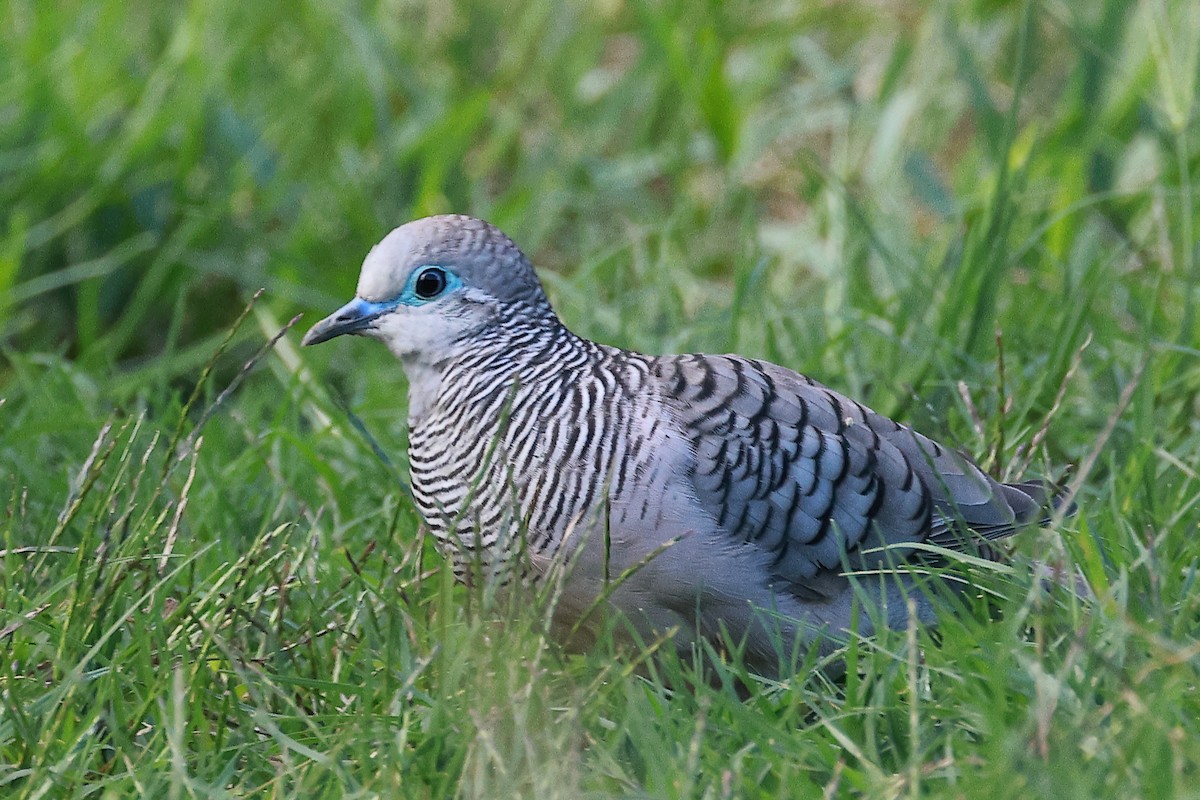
{"x":475,"y":250}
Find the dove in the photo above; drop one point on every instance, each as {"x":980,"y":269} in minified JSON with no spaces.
{"x":724,"y":498}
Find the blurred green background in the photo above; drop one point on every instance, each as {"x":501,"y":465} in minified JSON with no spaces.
{"x":884,"y":195}
{"x":160,"y":162}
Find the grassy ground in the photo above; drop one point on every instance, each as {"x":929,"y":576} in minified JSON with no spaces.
{"x":223,"y":596}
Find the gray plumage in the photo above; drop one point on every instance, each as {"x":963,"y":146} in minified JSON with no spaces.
{"x":740,"y":493}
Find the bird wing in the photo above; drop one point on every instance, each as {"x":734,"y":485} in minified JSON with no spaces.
{"x":819,"y":480}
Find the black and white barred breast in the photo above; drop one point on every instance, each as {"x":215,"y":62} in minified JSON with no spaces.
{"x":527,"y":445}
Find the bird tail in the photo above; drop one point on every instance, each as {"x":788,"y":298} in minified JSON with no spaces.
{"x":1041,"y":500}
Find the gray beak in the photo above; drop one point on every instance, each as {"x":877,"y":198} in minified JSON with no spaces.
{"x":355,"y":317}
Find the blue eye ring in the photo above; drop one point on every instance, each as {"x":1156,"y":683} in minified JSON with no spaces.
{"x":427,"y":283}
{"x":430,"y":283}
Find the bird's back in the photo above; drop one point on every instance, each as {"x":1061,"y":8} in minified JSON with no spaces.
{"x":820,"y":480}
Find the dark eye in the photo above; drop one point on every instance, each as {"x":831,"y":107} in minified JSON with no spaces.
{"x":430,"y":283}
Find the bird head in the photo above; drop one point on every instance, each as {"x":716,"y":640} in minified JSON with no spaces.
{"x":433,"y":283}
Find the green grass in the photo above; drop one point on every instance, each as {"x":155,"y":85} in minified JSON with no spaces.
{"x":203,"y":599}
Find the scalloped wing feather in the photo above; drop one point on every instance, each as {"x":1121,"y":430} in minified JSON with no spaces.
{"x":821,"y":481}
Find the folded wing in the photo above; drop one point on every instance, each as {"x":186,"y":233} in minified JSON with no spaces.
{"x":821,"y":481}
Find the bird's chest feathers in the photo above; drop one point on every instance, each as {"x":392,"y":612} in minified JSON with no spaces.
{"x":513,"y":435}
{"x":547,"y":455}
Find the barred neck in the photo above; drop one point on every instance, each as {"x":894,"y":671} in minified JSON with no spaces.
{"x":517,"y":348}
